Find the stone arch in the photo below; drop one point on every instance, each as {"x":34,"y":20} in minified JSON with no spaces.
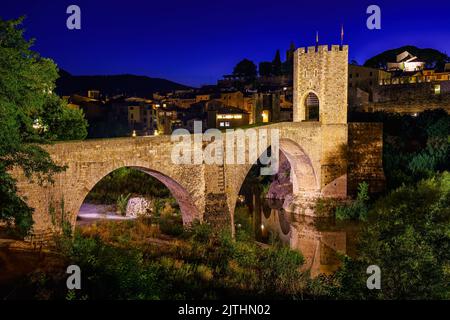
{"x":189,"y":211}
{"x":311,"y":103}
{"x":303,"y":175}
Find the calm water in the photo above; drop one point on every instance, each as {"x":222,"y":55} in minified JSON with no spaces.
{"x":319,"y":240}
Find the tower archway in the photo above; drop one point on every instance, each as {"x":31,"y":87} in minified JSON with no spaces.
{"x":312,"y":107}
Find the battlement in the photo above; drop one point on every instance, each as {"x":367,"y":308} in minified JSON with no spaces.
{"x":323,"y":71}
{"x":322,"y":48}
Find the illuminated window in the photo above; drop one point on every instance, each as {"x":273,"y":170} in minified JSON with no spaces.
{"x":437,"y":89}
{"x":221,"y":124}
{"x":238,"y":116}
{"x":265,"y":116}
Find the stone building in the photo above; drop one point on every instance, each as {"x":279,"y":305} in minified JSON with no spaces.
{"x":141,"y":115}
{"x":168,"y":119}
{"x":407,"y":62}
{"x":226,"y":117}
{"x":361,"y":83}
{"x":320,"y":82}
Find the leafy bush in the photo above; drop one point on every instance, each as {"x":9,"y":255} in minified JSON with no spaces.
{"x":122,"y":202}
{"x":210,"y":264}
{"x":170,"y":221}
{"x":414,"y":148}
{"x":243,"y":221}
{"x":200,"y":232}
{"x":408,"y":236}
{"x":124,"y":181}
{"x":359,"y":208}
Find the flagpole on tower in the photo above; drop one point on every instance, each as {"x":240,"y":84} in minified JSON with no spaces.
{"x":317,"y":40}
{"x":342,"y":35}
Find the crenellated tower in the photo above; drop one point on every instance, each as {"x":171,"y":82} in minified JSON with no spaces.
{"x":320,"y":84}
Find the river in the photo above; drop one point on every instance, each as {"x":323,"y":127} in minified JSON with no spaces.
{"x":320,"y":240}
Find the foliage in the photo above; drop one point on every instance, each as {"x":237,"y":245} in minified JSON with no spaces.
{"x":408,"y":236}
{"x":171,"y":224}
{"x":275,"y":67}
{"x":14,"y":211}
{"x":415,"y":148}
{"x":276,"y":64}
{"x":122,"y":202}
{"x":358,"y":209}
{"x":265,"y":69}
{"x":245,"y":68}
{"x":170,"y":220}
{"x":200,"y":232}
{"x":432,"y":58}
{"x":62,"y":123}
{"x":26,"y":99}
{"x":126,"y":180}
{"x":125,"y":232}
{"x":243,"y":221}
{"x":118,"y":262}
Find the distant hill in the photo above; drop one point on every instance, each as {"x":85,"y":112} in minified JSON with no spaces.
{"x":433,"y":58}
{"x":128,"y":84}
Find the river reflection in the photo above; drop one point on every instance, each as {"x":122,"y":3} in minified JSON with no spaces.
{"x":318,"y":239}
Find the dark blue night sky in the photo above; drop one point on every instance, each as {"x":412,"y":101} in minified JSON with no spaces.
{"x":196,"y":42}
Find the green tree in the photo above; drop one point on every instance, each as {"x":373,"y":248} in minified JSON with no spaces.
{"x":62,"y":123}
{"x":358,"y":209}
{"x":245,"y":68}
{"x":408,"y":236}
{"x":276,"y":64}
{"x":26,"y":101}
{"x":265,"y":69}
{"x":432,"y":58}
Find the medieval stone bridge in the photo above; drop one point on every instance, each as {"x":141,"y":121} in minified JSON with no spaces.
{"x":327,"y":155}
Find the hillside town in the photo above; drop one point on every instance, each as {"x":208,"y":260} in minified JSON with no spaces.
{"x":247,"y":97}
